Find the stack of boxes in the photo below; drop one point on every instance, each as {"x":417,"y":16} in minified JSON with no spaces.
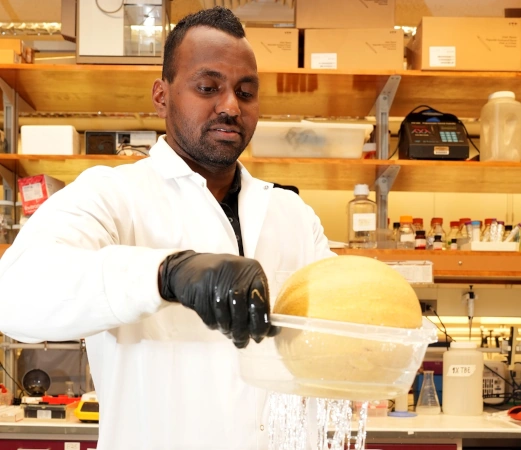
{"x":360,"y":35}
{"x":337,"y":34}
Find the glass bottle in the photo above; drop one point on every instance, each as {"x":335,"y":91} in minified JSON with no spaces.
{"x":420,"y":243}
{"x":69,"y":388}
{"x":485,"y":236}
{"x":436,"y":229}
{"x":406,"y":235}
{"x":438,"y":243}
{"x":396,"y":228}
{"x":508,"y":230}
{"x":361,"y":216}
{"x":417,"y":223}
{"x":428,"y":402}
{"x":453,"y":232}
{"x":462,"y":233}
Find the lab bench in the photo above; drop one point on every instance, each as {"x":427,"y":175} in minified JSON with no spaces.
{"x":436,"y":432}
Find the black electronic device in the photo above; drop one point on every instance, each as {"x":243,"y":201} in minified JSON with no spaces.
{"x":430,"y":134}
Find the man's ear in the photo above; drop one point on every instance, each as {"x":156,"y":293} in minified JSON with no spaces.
{"x":159,"y":97}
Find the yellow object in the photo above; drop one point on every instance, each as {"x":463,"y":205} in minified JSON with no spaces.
{"x":88,"y":408}
{"x":353,"y":289}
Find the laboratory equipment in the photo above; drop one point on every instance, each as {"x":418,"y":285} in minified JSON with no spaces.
{"x":428,"y":402}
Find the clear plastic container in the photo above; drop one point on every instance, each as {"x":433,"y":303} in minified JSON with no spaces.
{"x":361,"y":216}
{"x":462,"y":393}
{"x":500,"y":123}
{"x":336,"y":359}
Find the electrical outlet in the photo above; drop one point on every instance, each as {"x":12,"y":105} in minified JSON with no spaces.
{"x":428,"y":307}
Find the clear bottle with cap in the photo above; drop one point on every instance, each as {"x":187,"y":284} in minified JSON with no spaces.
{"x":462,"y":393}
{"x":406,"y":234}
{"x":453,"y":232}
{"x":436,"y":229}
{"x":361,"y":217}
{"x":462,"y":233}
{"x":428,"y":402}
{"x":417,"y":224}
{"x":500,"y":128}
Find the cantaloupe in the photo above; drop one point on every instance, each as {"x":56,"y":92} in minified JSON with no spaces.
{"x":352,"y":289}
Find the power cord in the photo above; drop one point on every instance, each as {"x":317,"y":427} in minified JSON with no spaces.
{"x":110,"y":12}
{"x":444,"y":331}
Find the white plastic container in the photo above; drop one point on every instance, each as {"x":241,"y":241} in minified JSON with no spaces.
{"x":500,"y":121}
{"x":341,"y":360}
{"x":307,"y":139}
{"x":49,"y":140}
{"x":462,"y":380}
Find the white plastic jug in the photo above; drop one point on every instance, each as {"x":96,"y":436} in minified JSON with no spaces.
{"x":462,"y":391}
{"x":500,"y":137}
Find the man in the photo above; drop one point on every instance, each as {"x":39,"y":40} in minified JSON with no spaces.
{"x":145,"y":260}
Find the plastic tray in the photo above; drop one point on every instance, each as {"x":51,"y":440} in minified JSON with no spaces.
{"x":332,"y":359}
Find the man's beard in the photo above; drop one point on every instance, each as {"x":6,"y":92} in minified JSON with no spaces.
{"x":209,"y":152}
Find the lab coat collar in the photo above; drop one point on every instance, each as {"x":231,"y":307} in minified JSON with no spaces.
{"x":253,"y":198}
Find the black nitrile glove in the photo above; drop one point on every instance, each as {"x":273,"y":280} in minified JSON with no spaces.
{"x":230,"y":293}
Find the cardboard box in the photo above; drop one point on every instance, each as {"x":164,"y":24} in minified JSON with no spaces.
{"x":344,"y":13}
{"x":274,"y":48}
{"x":49,"y":140}
{"x":35,"y":190}
{"x":466,"y":43}
{"x":352,"y":49}
{"x":8,"y":56}
{"x":23,"y":51}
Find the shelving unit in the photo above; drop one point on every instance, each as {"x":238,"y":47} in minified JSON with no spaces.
{"x":469,"y":267}
{"x":127,"y":89}
{"x":116,"y":88}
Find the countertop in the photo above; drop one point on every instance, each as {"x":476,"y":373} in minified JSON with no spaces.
{"x":489,"y":425}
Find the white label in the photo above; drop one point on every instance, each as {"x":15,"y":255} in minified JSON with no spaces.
{"x":407,"y":238}
{"x":442,"y":56}
{"x":323,"y":60}
{"x":461,"y":370}
{"x":364,"y":222}
{"x":32,"y":192}
{"x":72,"y":446}
{"x":44,"y":414}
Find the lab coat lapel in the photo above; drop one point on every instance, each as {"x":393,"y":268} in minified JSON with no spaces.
{"x":253,"y":204}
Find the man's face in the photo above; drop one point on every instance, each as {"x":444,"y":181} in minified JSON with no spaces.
{"x":212,"y":107}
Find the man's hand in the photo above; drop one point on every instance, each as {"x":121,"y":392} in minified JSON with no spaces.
{"x":230,"y":293}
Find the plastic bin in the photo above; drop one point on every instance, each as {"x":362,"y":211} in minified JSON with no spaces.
{"x":340,"y":360}
{"x":306,"y":139}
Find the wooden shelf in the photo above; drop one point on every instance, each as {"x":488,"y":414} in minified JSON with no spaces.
{"x":456,"y":265}
{"x":314,"y":173}
{"x":3,"y":248}
{"x":127,"y":88}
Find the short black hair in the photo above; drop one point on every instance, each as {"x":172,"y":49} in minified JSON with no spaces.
{"x":218,"y":17}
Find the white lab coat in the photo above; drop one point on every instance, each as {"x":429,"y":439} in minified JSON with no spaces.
{"x":86,"y":264}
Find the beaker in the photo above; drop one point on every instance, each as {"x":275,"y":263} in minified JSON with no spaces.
{"x":428,"y":402}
